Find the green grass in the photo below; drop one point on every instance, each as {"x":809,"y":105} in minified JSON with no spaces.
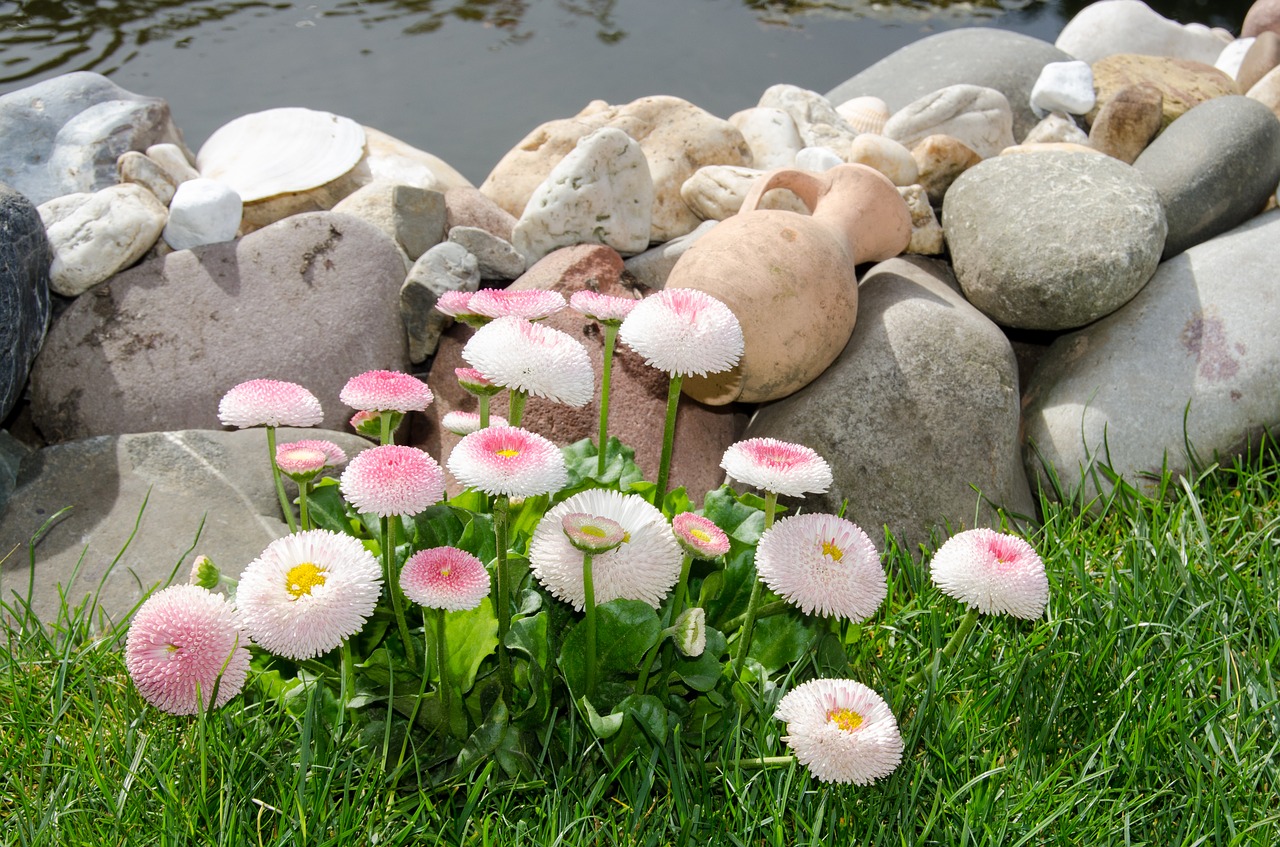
{"x":1142,"y":710}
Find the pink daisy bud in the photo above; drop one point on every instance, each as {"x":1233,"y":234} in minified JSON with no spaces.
{"x":508,"y":460}
{"x":592,"y":533}
{"x":824,"y":565}
{"x":532,"y":358}
{"x":368,"y":424}
{"x":699,"y":536}
{"x":841,"y":730}
{"x":333,"y":454}
{"x":205,"y":573}
{"x":445,"y":578}
{"x":777,"y":466}
{"x":392,"y":480}
{"x":269,"y":402}
{"x":386,"y":391}
{"x":465,"y":423}
{"x":529,"y":305}
{"x":602,"y":307}
{"x":474,"y":382}
{"x":690,"y":634}
{"x":308,"y":592}
{"x":684,"y":331}
{"x":300,"y":463}
{"x":993,"y":572}
{"x":184,"y":641}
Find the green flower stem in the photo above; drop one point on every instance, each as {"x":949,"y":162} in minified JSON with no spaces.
{"x":753,"y":605}
{"x":766,"y":610}
{"x":275,"y":472}
{"x":303,"y":520}
{"x":589,"y":606}
{"x":348,"y":682}
{"x":515,"y":407}
{"x":391,"y":574}
{"x":682,"y":587}
{"x":384,"y":419}
{"x":442,"y":671}
{"x":948,"y":652}
{"x":668,"y":439}
{"x":484,"y":410}
{"x":610,"y":341}
{"x":751,"y":764}
{"x":501,"y":605}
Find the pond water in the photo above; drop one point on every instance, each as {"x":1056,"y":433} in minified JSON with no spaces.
{"x":467,"y":79}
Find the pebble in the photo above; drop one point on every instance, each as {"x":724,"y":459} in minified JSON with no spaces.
{"x":772,"y":136}
{"x":1263,"y":16}
{"x":1232,"y":58}
{"x":817,"y":121}
{"x":651,"y":268}
{"x":1063,"y":87}
{"x":716,"y":192}
{"x":496,"y":257}
{"x":926,"y":233}
{"x":1127,"y":122}
{"x":818,"y":159}
{"x":174,"y":160}
{"x":139,"y":168}
{"x":466,"y":206}
{"x":885,"y":155}
{"x":1182,"y":83}
{"x":977,"y":116}
{"x":95,"y":235}
{"x":940,"y":159}
{"x":445,"y":267}
{"x":203,"y":211}
{"x":1263,"y":56}
{"x":1057,"y":127}
{"x":414,"y":217}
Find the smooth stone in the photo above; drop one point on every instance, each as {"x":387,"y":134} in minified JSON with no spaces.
{"x":388,"y":159}
{"x":1127,"y":122}
{"x":1214,"y":168}
{"x":1262,"y":58}
{"x":865,"y":114}
{"x":676,"y":137}
{"x":203,"y":211}
{"x":95,"y":235}
{"x":12,"y":452}
{"x":1232,"y":57}
{"x":1054,"y":240}
{"x":445,"y":267}
{"x":466,"y":206}
{"x":601,"y":192}
{"x":940,"y":159}
{"x":1009,"y":62}
{"x":414,"y":217}
{"x":637,"y":397}
{"x":1063,"y":87}
{"x":1182,"y":83}
{"x":157,"y":347}
{"x":817,"y":159}
{"x":137,"y":168}
{"x":979,"y":117}
{"x":1131,"y":26}
{"x":1050,"y":146}
{"x":25,"y":256}
{"x":885,"y":155}
{"x":651,"y":268}
{"x":926,"y":233}
{"x":210,"y":489}
{"x":64,"y":135}
{"x":1263,"y":16}
{"x":1267,"y":91}
{"x":919,"y":409}
{"x":1192,"y":360}
{"x":772,"y":136}
{"x":716,"y":192}
{"x":496,"y":257}
{"x":817,"y":121}
{"x":174,"y":160}
{"x":1057,"y":127}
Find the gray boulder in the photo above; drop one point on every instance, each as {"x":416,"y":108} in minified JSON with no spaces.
{"x":25,"y":256}
{"x":312,"y":299}
{"x":918,"y":416}
{"x":1193,"y":359}
{"x":1214,"y":168}
{"x":1052,"y":240}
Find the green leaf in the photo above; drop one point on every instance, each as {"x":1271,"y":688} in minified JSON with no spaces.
{"x":603,"y":727}
{"x":646,"y":723}
{"x":625,"y":630}
{"x":738,"y":576}
{"x":782,"y":640}
{"x":702,"y":673}
{"x":527,"y":637}
{"x":486,"y":739}
{"x":741,"y":522}
{"x":328,"y":510}
{"x":581,"y":461}
{"x":439,"y":526}
{"x":472,"y":636}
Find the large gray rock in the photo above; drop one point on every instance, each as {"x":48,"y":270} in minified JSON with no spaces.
{"x":919,"y":409}
{"x":64,"y":135}
{"x":1193,"y":359}
{"x":206,"y":493}
{"x":313,"y":299}
{"x":1214,"y":168}
{"x":25,"y":256}
{"x":1006,"y":61}
{"x":1052,"y":240}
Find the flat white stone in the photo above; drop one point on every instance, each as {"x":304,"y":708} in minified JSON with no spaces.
{"x":817,"y":121}
{"x":1232,"y":56}
{"x":172,"y":159}
{"x":1131,"y":26}
{"x":95,"y":235}
{"x":203,"y":211}
{"x":772,"y":136}
{"x":1063,"y":87}
{"x":978,"y":116}
{"x":818,"y":159}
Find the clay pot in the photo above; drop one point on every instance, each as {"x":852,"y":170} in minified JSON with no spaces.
{"x":789,"y":278}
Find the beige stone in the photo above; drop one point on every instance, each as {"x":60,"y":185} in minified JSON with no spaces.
{"x":1267,"y":91}
{"x":940,"y":159}
{"x":716,"y":192}
{"x":390,"y":159}
{"x":885,"y":155}
{"x":980,"y":117}
{"x":1127,"y":122}
{"x":926,"y":233}
{"x":95,"y":235}
{"x":1182,"y":83}
{"x":135,"y":167}
{"x":1259,"y":59}
{"x":772,"y":136}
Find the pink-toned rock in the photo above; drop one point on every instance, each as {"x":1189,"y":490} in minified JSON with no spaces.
{"x":637,"y":401}
{"x":1262,"y":56}
{"x":1263,"y":16}
{"x":466,"y":206}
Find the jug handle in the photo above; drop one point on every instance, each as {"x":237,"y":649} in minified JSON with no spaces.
{"x":809,"y":187}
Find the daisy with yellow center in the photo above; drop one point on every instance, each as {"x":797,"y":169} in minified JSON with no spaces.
{"x":841,"y":730}
{"x":823,"y":564}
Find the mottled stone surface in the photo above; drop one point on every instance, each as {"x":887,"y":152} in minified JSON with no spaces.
{"x":25,"y":256}
{"x":1127,"y":122}
{"x":1182,"y":83}
{"x":978,"y":116}
{"x":95,"y":235}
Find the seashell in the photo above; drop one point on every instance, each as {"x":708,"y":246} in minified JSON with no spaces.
{"x":281,"y":151}
{"x":865,"y":114}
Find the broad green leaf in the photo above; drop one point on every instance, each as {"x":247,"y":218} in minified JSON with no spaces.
{"x":486,"y":739}
{"x":581,"y":461}
{"x":645,"y":725}
{"x":438,"y":526}
{"x":603,"y":727}
{"x":738,"y":577}
{"x":742,"y":523}
{"x":782,"y":640}
{"x":472,"y":636}
{"x":327,"y":509}
{"x":625,"y":630}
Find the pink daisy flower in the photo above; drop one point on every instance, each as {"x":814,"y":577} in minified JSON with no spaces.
{"x":474,"y":382}
{"x":308,"y":592}
{"x":455,"y":303}
{"x":684,"y":331}
{"x":699,"y":536}
{"x":645,"y":566}
{"x":182,"y":639}
{"x":592,"y":533}
{"x":445,"y":578}
{"x":841,"y":730}
{"x":778,"y":466}
{"x":465,"y":423}
{"x":392,"y":480}
{"x":508,"y":460}
{"x":602,"y":307}
{"x":295,"y":461}
{"x":529,"y":305}
{"x":532,"y":358}
{"x":824,"y":565}
{"x":269,"y":402}
{"x":993,"y":572}
{"x":386,"y":391}
{"x":333,"y":454}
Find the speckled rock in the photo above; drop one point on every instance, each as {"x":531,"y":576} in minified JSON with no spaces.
{"x":817,"y":121}
{"x":1057,"y":127}
{"x":771,"y":134}
{"x":445,"y":267}
{"x":496,"y":258}
{"x":1127,"y":122}
{"x":466,"y":206}
{"x":940,"y":159}
{"x":926,"y":233}
{"x":25,"y":256}
{"x":1182,"y":83}
{"x":979,"y":117}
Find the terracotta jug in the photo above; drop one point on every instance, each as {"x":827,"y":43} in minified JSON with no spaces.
{"x":789,"y":278}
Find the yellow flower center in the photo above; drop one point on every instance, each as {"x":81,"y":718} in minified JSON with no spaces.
{"x":831,"y":551}
{"x":593,"y":531}
{"x":701,"y":534}
{"x":846,"y":719}
{"x":304,"y":577}
{"x":507,"y":453}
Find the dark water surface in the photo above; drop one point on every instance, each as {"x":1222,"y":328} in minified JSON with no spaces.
{"x":467,"y":79}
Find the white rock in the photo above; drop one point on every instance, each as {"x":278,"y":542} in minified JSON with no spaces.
{"x":885,"y":155}
{"x":979,"y":117}
{"x":817,"y":121}
{"x":95,"y":235}
{"x":600,"y":193}
{"x":172,"y":159}
{"x":389,"y":159}
{"x":1232,"y":56}
{"x":1063,"y":87}
{"x":1057,"y":127}
{"x":1131,"y":26}
{"x":716,"y":192}
{"x":203,"y":211}
{"x":136,"y":167}
{"x":818,"y":159}
{"x":772,"y":136}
